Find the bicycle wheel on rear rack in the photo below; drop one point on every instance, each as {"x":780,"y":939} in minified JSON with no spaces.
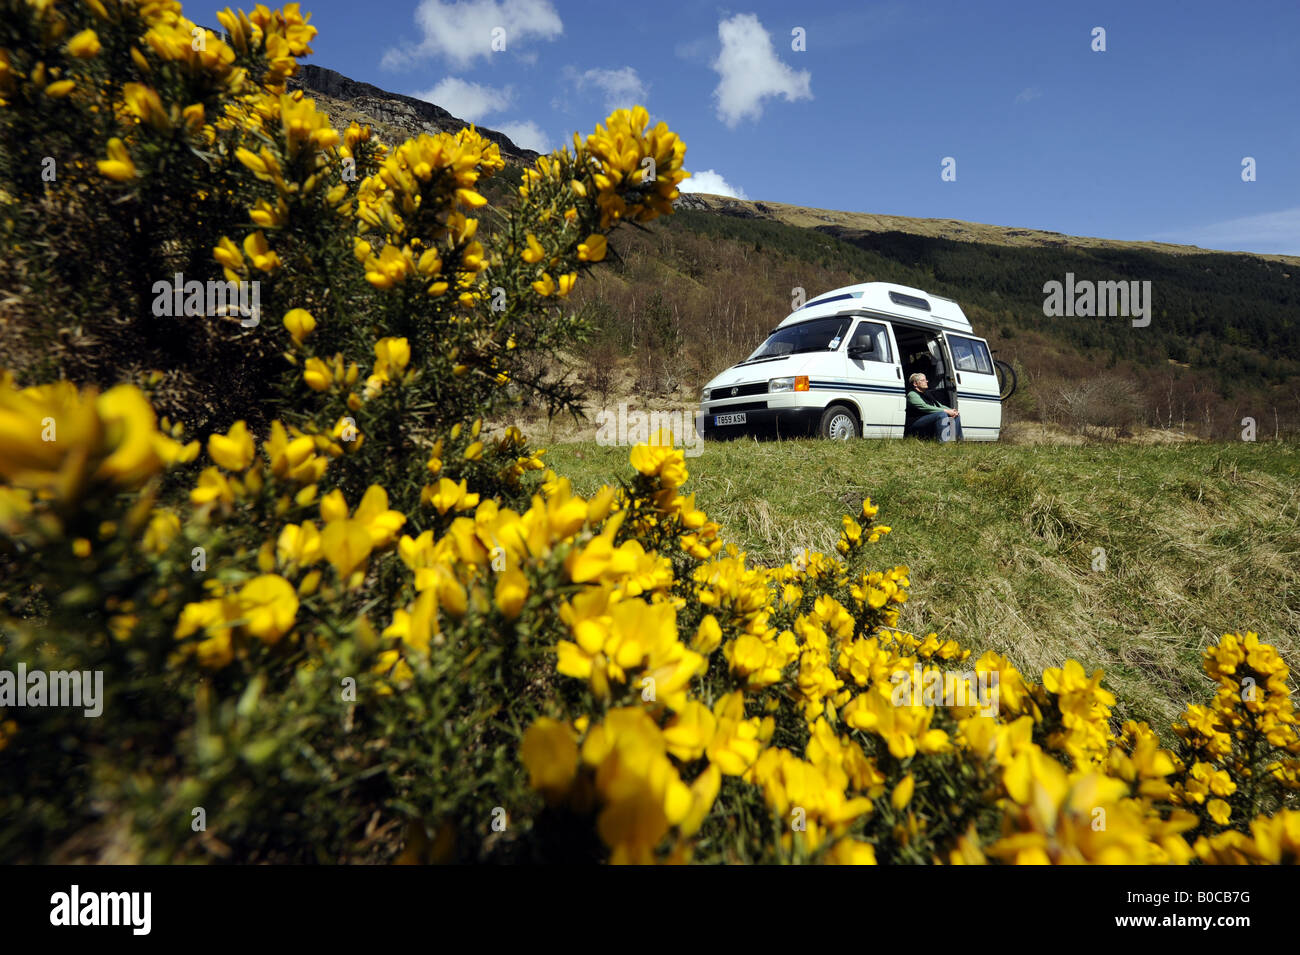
{"x":1006,"y":379}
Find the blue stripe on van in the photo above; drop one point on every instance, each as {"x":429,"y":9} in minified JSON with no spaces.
{"x":833,"y":298}
{"x":887,"y":389}
{"x":857,"y":386}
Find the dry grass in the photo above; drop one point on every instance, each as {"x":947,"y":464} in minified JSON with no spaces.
{"x":936,"y":228}
{"x":1199,"y":538}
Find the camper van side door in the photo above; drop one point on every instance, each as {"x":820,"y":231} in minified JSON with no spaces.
{"x":874,"y":376}
{"x":976,"y":382}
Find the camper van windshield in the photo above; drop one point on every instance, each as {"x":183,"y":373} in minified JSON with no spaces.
{"x":818,"y":335}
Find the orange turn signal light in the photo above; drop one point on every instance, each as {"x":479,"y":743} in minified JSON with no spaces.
{"x":801,"y":383}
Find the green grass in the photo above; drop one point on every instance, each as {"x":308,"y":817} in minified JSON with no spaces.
{"x":1199,"y":539}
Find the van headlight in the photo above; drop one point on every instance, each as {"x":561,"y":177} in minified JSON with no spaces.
{"x":797,"y":383}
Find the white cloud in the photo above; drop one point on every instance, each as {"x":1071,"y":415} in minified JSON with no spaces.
{"x":711,"y":181}
{"x":463,"y":31}
{"x":750,"y":72}
{"x":622,"y":89}
{"x":466,"y":100}
{"x":473,"y":102}
{"x":1028,"y":93}
{"x":526,"y":134}
{"x":1277,"y":233}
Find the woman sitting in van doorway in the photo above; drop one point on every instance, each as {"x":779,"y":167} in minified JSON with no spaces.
{"x":927,"y":418}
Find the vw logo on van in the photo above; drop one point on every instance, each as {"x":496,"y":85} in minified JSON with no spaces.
{"x":733,"y":392}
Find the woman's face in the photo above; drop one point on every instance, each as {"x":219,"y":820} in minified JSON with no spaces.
{"x":922,"y":384}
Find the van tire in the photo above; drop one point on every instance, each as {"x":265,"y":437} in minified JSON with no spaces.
{"x":839,"y":423}
{"x":1007,"y":379}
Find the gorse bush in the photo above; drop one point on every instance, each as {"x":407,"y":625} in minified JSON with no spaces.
{"x":124,"y":127}
{"x":361,"y":623}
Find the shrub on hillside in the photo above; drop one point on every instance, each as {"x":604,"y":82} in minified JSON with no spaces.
{"x":1108,"y":403}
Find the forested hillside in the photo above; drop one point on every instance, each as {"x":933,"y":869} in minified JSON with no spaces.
{"x":698,"y":292}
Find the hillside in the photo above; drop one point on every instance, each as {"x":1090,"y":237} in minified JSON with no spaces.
{"x":697,"y":292}
{"x":394,"y":116}
{"x":849,"y":224}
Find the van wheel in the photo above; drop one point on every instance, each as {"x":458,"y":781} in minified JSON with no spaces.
{"x":839,"y":423}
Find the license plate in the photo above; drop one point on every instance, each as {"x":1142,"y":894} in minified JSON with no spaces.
{"x":729,"y":419}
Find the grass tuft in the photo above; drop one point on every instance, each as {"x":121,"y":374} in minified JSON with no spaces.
{"x":1198,"y":539}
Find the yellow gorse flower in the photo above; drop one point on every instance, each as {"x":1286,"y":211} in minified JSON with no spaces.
{"x":293,"y":458}
{"x":299,"y":323}
{"x":391,"y":357}
{"x":641,"y":792}
{"x":620,"y":150}
{"x":549,"y":752}
{"x":533,"y":252}
{"x":234,"y":450}
{"x":84,"y":45}
{"x":55,"y":439}
{"x":268,"y":605}
{"x":260,"y":254}
{"x":118,"y":166}
{"x":593,"y":249}
{"x":145,"y":105}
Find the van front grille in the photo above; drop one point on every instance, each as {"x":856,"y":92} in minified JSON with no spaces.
{"x":739,"y":406}
{"x":738,"y":391}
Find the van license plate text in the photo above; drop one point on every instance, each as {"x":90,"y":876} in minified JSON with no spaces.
{"x":729,"y":419}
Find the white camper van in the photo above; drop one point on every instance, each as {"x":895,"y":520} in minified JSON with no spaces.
{"x":838,"y":366}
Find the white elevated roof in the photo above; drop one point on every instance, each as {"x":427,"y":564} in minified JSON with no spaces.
{"x":885,"y":298}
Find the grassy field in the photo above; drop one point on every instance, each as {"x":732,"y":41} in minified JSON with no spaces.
{"x":1001,"y":540}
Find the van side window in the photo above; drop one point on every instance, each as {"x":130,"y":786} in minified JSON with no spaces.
{"x":875,"y":338}
{"x":970,"y":355}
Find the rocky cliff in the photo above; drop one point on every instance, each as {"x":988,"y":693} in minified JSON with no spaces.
{"x":394,"y":116}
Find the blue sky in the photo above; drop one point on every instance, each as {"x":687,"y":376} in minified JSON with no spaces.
{"x":1145,"y":140}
